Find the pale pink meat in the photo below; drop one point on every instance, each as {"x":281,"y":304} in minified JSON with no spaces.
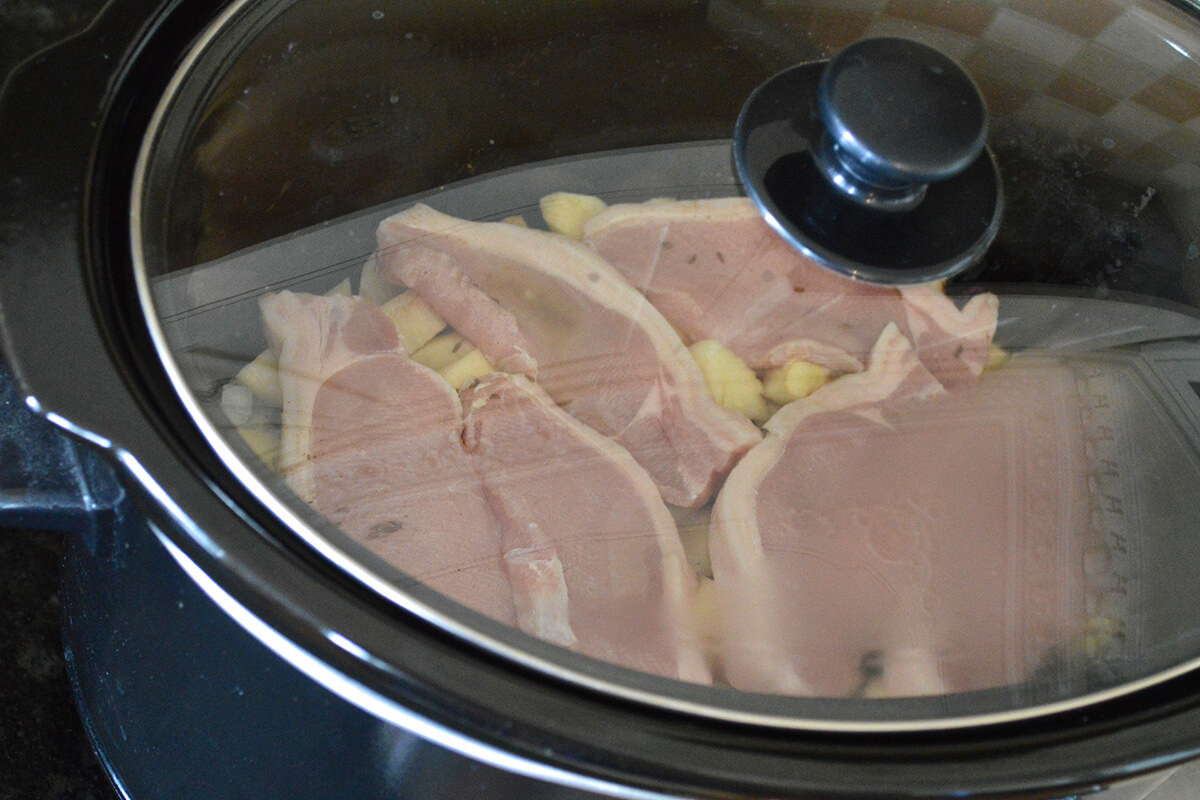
{"x":581,"y":515}
{"x":953,"y":343}
{"x":943,"y":533}
{"x":500,"y":499}
{"x":549,"y":307}
{"x":716,"y":270}
{"x":374,"y":443}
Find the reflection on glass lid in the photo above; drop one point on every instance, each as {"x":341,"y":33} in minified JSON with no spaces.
{"x":596,"y":398}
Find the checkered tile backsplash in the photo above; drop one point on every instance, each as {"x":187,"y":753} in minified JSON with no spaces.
{"x":1119,"y":78}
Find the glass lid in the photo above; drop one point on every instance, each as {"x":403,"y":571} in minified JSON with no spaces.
{"x":479,"y":298}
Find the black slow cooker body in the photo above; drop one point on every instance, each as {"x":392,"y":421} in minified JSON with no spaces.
{"x":215,"y":657}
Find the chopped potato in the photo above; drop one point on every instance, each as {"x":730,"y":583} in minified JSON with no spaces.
{"x":415,"y":321}
{"x":996,"y":357}
{"x":442,"y":351}
{"x":706,"y":611}
{"x":262,"y":440}
{"x":566,"y":213}
{"x":249,"y":420}
{"x":516,"y":220}
{"x":372,"y":286}
{"x":341,"y":290}
{"x":731,"y":381}
{"x":466,"y":370}
{"x":454,"y":358}
{"x":692,"y":524}
{"x":794,"y":380}
{"x":1096,"y":638}
{"x":237,"y":401}
{"x":261,"y":377}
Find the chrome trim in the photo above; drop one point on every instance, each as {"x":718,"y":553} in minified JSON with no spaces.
{"x":380,"y":706}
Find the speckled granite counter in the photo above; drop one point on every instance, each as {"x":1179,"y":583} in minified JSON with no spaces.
{"x":44,"y":753}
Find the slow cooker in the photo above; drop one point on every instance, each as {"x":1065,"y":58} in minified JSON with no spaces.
{"x":681,"y":398}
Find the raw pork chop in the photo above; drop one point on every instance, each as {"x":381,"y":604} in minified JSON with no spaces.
{"x":508,"y":506}
{"x":716,"y":270}
{"x":372,"y":440}
{"x":884,"y":518}
{"x":544,"y":305}
{"x":580,"y":515}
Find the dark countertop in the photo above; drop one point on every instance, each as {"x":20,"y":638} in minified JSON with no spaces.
{"x":44,"y":753}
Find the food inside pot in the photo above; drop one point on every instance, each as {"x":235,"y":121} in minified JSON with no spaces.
{"x":480,"y":494}
{"x":657,"y":435}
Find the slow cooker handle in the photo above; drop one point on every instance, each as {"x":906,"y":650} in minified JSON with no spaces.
{"x":59,"y":393}
{"x":48,"y":482}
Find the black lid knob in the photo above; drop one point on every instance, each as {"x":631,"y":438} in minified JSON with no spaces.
{"x":897,"y":115}
{"x":874,"y":162}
